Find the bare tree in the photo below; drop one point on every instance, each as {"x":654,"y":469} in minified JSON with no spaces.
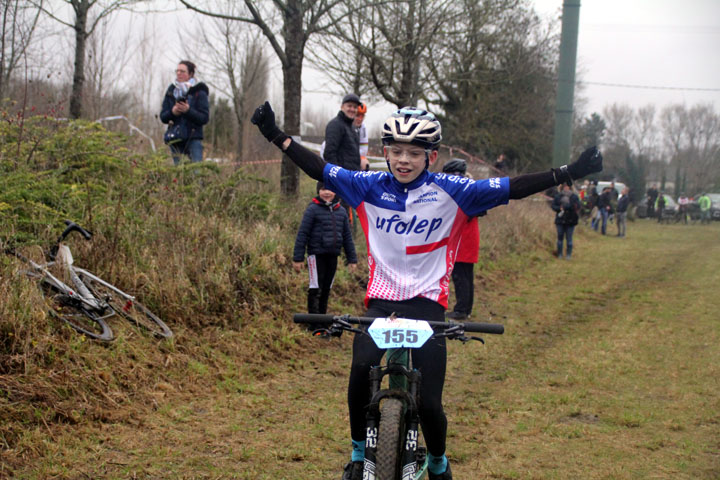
{"x":495,"y":72}
{"x":84,"y":25}
{"x":19,"y":20}
{"x":339,"y":55}
{"x":387,"y":45}
{"x":703,"y":147}
{"x":102,"y":90}
{"x":644,"y":136}
{"x":238,"y":66}
{"x":299,"y":19}
{"x":619,"y":119}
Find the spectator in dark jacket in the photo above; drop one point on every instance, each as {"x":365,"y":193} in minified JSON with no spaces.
{"x":621,"y":214}
{"x":605,"y":208}
{"x":342,"y":144}
{"x":566,"y":205}
{"x":324,"y":232}
{"x":186,"y":103}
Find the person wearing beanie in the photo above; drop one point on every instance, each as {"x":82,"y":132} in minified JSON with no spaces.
{"x":323,"y":233}
{"x":342,"y":144}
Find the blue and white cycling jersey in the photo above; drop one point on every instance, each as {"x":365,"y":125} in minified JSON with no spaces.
{"x":413,"y":230}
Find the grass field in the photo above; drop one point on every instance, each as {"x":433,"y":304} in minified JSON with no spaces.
{"x":609,"y":369}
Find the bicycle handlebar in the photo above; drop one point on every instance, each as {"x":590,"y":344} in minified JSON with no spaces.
{"x":319,"y":318}
{"x":72,"y":226}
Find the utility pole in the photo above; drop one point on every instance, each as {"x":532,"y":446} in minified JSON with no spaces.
{"x":562,"y":138}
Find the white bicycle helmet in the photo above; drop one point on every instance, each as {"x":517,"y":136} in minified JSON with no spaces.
{"x":412,"y":125}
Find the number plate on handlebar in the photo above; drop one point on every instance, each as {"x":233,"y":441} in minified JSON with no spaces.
{"x":400,"y":332}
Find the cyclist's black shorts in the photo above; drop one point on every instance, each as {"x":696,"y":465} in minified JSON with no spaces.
{"x":430,"y":360}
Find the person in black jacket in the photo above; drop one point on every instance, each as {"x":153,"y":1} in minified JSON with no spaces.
{"x":566,"y":204}
{"x":324,"y":231}
{"x":186,"y":103}
{"x":605,"y":208}
{"x":342,"y":143}
{"x":622,"y":207}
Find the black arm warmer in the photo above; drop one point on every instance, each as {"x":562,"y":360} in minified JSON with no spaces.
{"x":525,"y":185}
{"x":308,"y":161}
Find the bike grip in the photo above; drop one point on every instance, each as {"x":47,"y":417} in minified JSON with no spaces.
{"x":313,"y":318}
{"x":495,"y":328}
{"x":74,"y":226}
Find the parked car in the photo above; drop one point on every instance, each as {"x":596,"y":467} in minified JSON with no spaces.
{"x":715,"y":206}
{"x":670,"y":210}
{"x":619,"y":186}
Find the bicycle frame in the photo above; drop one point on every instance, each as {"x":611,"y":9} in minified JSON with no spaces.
{"x":79,"y":293}
{"x":129,"y":298}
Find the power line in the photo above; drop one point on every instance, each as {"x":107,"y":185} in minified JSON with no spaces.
{"x":649,"y":87}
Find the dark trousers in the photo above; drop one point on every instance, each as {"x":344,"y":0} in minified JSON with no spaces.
{"x":192,"y":148}
{"x":326,"y":265}
{"x":565,"y":232}
{"x":462,"y":276}
{"x":430,"y":359}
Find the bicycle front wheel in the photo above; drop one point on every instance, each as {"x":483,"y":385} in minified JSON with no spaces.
{"x":390,"y":433}
{"x":72,"y":312}
{"x":128,"y":308}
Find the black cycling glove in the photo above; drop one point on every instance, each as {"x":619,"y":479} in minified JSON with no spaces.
{"x":264,"y":118}
{"x":589,"y":161}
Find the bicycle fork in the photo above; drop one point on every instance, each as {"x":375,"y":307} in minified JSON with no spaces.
{"x":403,"y":384}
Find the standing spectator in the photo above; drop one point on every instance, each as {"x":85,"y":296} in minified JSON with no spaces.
{"x":501,"y":164}
{"x":186,"y":103}
{"x":594,"y":199}
{"x":324,"y":232}
{"x":614,"y":195}
{"x":660,"y":206}
{"x":622,"y":206}
{"x":704,"y":203}
{"x":342,"y":144}
{"x":683,"y":207}
{"x":566,"y":204}
{"x":359,"y":124}
{"x":604,"y":208}
{"x":467,"y":254}
{"x":652,"y":196}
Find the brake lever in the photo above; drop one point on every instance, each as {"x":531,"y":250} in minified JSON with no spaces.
{"x":336,"y":329}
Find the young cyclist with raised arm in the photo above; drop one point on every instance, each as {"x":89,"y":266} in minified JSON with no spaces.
{"x":412,"y":220}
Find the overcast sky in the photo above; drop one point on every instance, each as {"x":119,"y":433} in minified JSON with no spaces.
{"x":650,"y":43}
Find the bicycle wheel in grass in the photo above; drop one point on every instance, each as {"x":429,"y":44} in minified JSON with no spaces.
{"x":130,"y":309}
{"x":71,"y":312}
{"x":389,"y":439}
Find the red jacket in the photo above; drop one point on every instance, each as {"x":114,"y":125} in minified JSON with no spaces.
{"x":469,"y":242}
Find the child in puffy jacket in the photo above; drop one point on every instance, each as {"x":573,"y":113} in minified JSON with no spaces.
{"x":324,"y":232}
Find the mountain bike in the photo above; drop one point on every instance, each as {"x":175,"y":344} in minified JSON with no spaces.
{"x":88,"y":301}
{"x":393,"y":449}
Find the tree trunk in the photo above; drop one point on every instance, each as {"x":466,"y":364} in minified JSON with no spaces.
{"x":76,"y":100}
{"x":292,"y":89}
